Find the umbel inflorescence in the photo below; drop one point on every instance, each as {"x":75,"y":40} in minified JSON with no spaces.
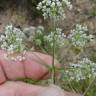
{"x":82,"y":70}
{"x":59,"y":37}
{"x":12,"y":40}
{"x":79,"y":36}
{"x":54,"y":8}
{"x":43,"y":38}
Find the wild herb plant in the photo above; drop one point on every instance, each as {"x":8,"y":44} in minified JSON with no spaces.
{"x":54,"y":10}
{"x":83,"y":70}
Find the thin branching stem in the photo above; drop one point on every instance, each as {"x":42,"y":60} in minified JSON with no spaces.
{"x":53,"y":62}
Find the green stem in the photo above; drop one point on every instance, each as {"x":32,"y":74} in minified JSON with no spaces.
{"x":53,"y":62}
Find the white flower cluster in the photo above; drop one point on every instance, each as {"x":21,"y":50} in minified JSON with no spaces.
{"x":39,"y":35}
{"x":12,"y":40}
{"x":43,"y":39}
{"x":54,"y":8}
{"x":58,"y":36}
{"x":79,"y":36}
{"x":83,"y":70}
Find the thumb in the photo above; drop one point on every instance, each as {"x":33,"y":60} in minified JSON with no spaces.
{"x":52,"y":90}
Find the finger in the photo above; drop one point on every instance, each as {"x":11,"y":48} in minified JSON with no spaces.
{"x":23,"y":89}
{"x":7,"y":90}
{"x":33,"y":90}
{"x":34,"y":67}
{"x":52,"y":90}
{"x":37,"y":65}
{"x":11,"y":69}
{"x":19,"y":89}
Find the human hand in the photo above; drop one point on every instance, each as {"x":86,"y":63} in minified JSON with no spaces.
{"x":35,"y":66}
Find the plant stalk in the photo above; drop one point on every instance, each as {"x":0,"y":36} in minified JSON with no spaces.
{"x":53,"y":62}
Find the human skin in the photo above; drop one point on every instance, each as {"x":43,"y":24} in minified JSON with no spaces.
{"x":35,"y":67}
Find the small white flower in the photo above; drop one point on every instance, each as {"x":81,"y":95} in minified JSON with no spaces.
{"x":58,"y":36}
{"x":79,"y":37}
{"x":53,"y":8}
{"x":82,"y":70}
{"x":53,"y":4}
{"x":12,"y":40}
